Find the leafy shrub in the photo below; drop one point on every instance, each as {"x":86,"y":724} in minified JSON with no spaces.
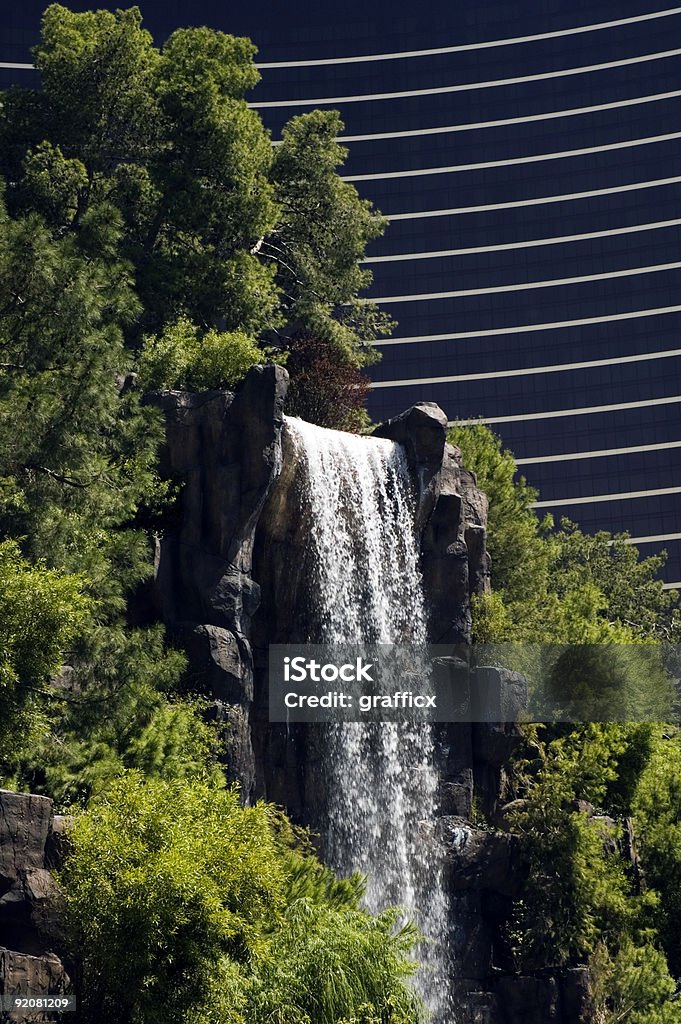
{"x":182,"y":357}
{"x":184,"y":906}
{"x":578,"y":893}
{"x":633,"y":986}
{"x":326,"y":388}
{"x":41,"y":612}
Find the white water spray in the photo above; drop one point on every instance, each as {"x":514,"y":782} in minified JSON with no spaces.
{"x":381,"y":778}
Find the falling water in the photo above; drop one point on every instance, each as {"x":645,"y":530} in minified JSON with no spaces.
{"x":381,"y":778}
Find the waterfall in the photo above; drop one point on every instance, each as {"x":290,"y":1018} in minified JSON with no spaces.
{"x":381,"y":778}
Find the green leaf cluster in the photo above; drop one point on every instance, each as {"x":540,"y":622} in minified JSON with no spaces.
{"x":561,"y":585}
{"x":41,"y":612}
{"x":180,"y":358}
{"x":149,"y":238}
{"x":590,"y":798}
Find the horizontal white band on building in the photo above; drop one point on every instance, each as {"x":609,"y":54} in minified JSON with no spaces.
{"x":527,"y":244}
{"x":525,"y":285}
{"x":554,"y":325}
{"x":463,"y":47}
{"x":536,"y":158}
{"x":503,"y":122}
{"x":593,"y":498}
{"x":553,"y":414}
{"x":322,"y":101}
{"x":536,"y":201}
{"x":600,"y":453}
{"x":655,"y":539}
{"x":529,"y":371}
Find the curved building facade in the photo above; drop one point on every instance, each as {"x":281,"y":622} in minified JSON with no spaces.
{"x":528,"y":157}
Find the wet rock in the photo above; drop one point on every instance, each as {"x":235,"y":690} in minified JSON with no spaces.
{"x":422,"y":431}
{"x":480,"y":859}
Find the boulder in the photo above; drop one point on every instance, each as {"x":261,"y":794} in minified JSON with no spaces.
{"x":222,"y":661}
{"x":225,"y":451}
{"x":31,"y":907}
{"x":480,"y":859}
{"x":422,"y":432}
{"x":22,"y":974}
{"x":25,"y":822}
{"x":529,"y":999}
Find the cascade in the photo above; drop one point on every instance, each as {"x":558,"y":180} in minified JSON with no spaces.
{"x":381,"y":778}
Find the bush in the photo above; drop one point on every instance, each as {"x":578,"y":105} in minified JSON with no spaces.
{"x":41,"y":612}
{"x":182,"y":357}
{"x":184,"y":906}
{"x":326,"y":388}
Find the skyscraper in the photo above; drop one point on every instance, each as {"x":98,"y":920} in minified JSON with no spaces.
{"x":529,"y":159}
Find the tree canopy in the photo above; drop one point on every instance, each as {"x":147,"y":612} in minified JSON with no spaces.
{"x":216,"y":226}
{"x":150,"y":237}
{"x":590,"y":797}
{"x":558,"y":585}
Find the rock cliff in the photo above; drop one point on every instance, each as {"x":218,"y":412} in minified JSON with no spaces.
{"x":230,"y":580}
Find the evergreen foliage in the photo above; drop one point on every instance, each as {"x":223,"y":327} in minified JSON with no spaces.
{"x":215,"y":227}
{"x":149,"y":239}
{"x":556,"y":586}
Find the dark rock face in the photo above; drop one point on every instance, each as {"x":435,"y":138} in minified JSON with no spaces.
{"x":225,"y":451}
{"x":230,"y":580}
{"x":480,"y":859}
{"x":31,"y":918}
{"x":421,"y":431}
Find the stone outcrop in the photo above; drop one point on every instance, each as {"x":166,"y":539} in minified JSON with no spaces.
{"x":31,"y":917}
{"x":224,"y":450}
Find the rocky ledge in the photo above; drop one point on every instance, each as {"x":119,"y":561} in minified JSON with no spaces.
{"x":31,"y":918}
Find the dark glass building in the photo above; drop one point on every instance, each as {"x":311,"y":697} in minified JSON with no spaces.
{"x":529,"y":158}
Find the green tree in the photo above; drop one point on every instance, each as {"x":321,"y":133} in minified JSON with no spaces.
{"x":634,"y":986}
{"x":586,"y":615}
{"x":558,"y":585}
{"x":183,"y":358}
{"x":166,"y":137}
{"x":514,"y":534}
{"x":658,"y":813}
{"x":77,"y":471}
{"x":217,"y":229}
{"x":320,"y":239}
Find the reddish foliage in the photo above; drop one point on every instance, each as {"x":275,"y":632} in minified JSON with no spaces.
{"x":325,"y":388}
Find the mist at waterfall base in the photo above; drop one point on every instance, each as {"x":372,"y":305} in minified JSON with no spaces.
{"x":382,"y":783}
